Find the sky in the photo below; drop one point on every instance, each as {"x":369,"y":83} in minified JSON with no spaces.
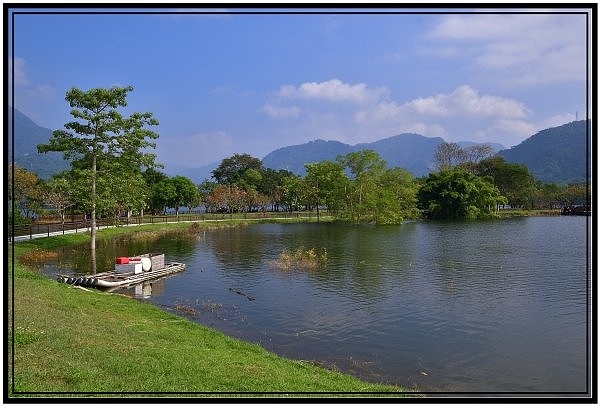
{"x":224,"y":82}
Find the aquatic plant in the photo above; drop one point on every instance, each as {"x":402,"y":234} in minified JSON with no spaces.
{"x":37,"y":257}
{"x":301,"y":259}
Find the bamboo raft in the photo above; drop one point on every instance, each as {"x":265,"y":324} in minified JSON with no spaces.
{"x":114,"y":278}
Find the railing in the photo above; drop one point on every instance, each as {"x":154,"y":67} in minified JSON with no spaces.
{"x":30,"y":231}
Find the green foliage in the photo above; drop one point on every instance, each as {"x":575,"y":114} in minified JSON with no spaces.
{"x":325,"y":182}
{"x":375,"y":193}
{"x":58,"y":194}
{"x":458,"y":194}
{"x":107,"y":150}
{"x":163,"y":195}
{"x":293,"y":192}
{"x":186,"y":193}
{"x":234,"y":170}
{"x":514,"y":180}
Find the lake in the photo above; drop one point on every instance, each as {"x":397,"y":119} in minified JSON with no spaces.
{"x":492,"y":306}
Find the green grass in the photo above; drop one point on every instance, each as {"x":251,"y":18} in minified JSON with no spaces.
{"x":69,"y":341}
{"x":527,"y":213}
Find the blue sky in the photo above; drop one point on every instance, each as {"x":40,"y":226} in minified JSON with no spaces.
{"x":231,"y":83}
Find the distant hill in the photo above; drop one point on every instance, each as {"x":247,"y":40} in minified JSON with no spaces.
{"x":555,"y":154}
{"x":197,"y":175}
{"x":413,"y":152}
{"x":294,"y":157}
{"x":27,"y":136}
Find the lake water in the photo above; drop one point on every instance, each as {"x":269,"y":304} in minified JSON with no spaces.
{"x":494,"y":306}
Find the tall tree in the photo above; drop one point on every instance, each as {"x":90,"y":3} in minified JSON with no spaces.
{"x":512,"y":179}
{"x":362,"y":193}
{"x":325,"y":182}
{"x":187,"y":193}
{"x":458,"y":194}
{"x":448,"y":155}
{"x":102,"y":136}
{"x":234,"y":170}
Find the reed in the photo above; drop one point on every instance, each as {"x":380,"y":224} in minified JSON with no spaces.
{"x":301,"y":259}
{"x":70,"y":342}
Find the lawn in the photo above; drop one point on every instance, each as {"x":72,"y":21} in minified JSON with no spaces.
{"x":67,"y":341}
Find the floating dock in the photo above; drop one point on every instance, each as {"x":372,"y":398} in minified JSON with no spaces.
{"x":136,"y":271}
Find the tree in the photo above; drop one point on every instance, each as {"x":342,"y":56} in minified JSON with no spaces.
{"x":25,"y":191}
{"x":293,"y":192}
{"x":325,"y":182}
{"x":100,"y":138}
{"x":186,"y":193}
{"x":402,"y":200}
{"x":153,"y":178}
{"x":512,"y":179}
{"x":447,"y":155}
{"x":164,"y":194}
{"x":458,"y":194}
{"x":478,"y":153}
{"x":125,"y":192}
{"x":362,"y":193}
{"x":58,"y":194}
{"x":232,"y":170}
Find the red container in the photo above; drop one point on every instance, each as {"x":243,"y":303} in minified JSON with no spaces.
{"x":135,"y":259}
{"x":122,"y":260}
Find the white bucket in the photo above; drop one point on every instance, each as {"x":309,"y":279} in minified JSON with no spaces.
{"x":146,"y":264}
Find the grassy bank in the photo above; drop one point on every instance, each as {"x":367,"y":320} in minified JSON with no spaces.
{"x":528,"y":213}
{"x":66,"y":341}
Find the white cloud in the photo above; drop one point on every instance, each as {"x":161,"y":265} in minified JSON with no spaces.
{"x":17,"y":67}
{"x":276,"y":111}
{"x":464,"y":101}
{"x":333,"y":90}
{"x":559,"y":120}
{"x":467,"y":101}
{"x":461,"y":114}
{"x":521,"y":49}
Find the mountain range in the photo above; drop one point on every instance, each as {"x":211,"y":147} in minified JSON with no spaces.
{"x":27,"y":135}
{"x":413,"y":152}
{"x":557,"y":154}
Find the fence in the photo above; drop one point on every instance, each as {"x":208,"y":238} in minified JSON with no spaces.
{"x":29,"y":231}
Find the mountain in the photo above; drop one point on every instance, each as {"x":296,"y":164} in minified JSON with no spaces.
{"x":294,"y":157}
{"x":27,"y":135}
{"x":555,"y":154}
{"x":466,"y":144}
{"x":197,"y":175}
{"x":410,"y":151}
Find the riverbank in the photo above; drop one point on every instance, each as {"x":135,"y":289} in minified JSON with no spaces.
{"x":528,"y":213}
{"x":66,"y":341}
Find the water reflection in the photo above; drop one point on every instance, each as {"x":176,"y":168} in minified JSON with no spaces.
{"x":482,"y":306}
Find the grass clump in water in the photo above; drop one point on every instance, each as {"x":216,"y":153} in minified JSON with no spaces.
{"x":89,"y":343}
{"x":301,"y":259}
{"x":37,"y":257}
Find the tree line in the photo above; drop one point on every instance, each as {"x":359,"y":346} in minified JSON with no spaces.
{"x":113,"y":174}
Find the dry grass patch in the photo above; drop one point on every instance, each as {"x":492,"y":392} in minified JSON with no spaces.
{"x":37,"y":257}
{"x":301,"y":259}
